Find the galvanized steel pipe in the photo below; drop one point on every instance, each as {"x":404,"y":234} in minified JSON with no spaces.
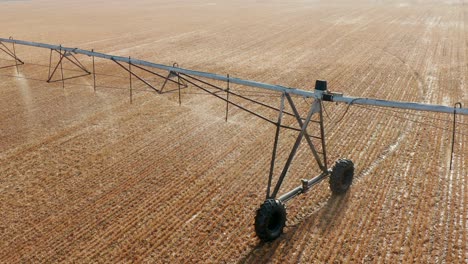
{"x":278,"y":88}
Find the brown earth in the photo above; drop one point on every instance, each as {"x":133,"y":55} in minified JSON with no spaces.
{"x":88,"y":177}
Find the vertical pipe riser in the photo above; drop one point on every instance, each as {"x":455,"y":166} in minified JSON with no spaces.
{"x":227,"y":99}
{"x":94,"y":74}
{"x":16,"y":59}
{"x":130,"y":79}
{"x":454,"y":132}
{"x":61,"y":67}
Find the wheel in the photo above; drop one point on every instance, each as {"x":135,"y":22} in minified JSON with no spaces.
{"x":341,"y":176}
{"x":270,"y":220}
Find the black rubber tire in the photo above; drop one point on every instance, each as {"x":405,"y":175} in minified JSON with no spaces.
{"x":342,"y":176}
{"x":270,"y":220}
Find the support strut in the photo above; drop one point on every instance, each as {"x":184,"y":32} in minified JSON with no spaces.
{"x":323,"y":166}
{"x":275,"y":146}
{"x":227,"y":99}
{"x":65,"y":55}
{"x":11,"y":54}
{"x":313,"y":109}
{"x":459,"y":105}
{"x":94,"y":74}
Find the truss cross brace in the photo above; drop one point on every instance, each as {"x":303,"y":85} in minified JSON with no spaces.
{"x":11,"y":54}
{"x":315,"y":108}
{"x":67,"y":55}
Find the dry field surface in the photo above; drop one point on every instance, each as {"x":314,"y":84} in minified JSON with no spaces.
{"x":88,"y":177}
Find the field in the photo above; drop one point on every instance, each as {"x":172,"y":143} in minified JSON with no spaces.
{"x":86,"y":177}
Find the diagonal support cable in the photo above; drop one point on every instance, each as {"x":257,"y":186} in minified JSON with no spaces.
{"x":229,"y":102}
{"x":166,"y":79}
{"x":242,"y":96}
{"x":225,"y":100}
{"x":136,"y":76}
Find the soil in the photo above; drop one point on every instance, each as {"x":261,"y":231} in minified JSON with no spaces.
{"x":86,"y":176}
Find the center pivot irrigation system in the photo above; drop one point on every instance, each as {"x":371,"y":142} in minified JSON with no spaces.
{"x":271,"y":216}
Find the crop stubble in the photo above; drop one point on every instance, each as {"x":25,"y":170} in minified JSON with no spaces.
{"x":88,"y":177}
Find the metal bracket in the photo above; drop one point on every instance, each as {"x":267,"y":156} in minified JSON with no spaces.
{"x":305,"y":185}
{"x":171,"y":75}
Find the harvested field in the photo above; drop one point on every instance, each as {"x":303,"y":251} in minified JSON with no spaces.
{"x":85,"y":176}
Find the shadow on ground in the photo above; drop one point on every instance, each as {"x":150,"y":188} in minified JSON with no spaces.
{"x":320,"y":223}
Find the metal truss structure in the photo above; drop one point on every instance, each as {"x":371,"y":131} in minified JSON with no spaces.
{"x":271,"y":216}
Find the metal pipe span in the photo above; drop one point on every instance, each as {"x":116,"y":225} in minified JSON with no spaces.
{"x":278,"y":88}
{"x":401,"y":105}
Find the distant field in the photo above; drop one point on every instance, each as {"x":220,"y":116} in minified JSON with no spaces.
{"x":88,"y":177}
